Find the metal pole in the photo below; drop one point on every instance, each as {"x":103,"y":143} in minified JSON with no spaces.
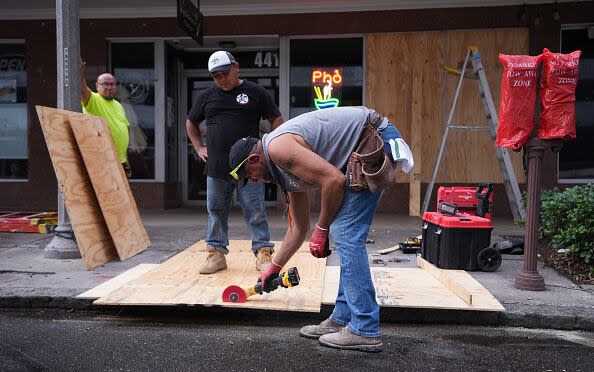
{"x":63,"y":245}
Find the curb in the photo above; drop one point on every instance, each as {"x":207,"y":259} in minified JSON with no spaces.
{"x":520,"y":318}
{"x":511,"y":318}
{"x":44,"y":302}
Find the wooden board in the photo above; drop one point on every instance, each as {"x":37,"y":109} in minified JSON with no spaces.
{"x":177,"y":281}
{"x":431,"y":99}
{"x":425,"y":104}
{"x":470,"y":156}
{"x":114,"y":283}
{"x":388,"y":74}
{"x":416,"y":288}
{"x":447,"y":280}
{"x":110,"y":184}
{"x":405,"y":81}
{"x":92,"y":235}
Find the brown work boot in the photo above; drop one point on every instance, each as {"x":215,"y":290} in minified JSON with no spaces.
{"x":263,"y":259}
{"x":315,"y":331}
{"x":347,"y":340}
{"x":215,"y":261}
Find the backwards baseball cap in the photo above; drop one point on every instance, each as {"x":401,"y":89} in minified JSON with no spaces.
{"x":220,"y":61}
{"x":240,"y":151}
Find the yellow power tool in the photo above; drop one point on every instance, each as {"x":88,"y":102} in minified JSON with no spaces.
{"x":235,"y":293}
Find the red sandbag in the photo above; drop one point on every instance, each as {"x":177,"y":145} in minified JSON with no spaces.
{"x":557,"y":95}
{"x":518,"y":97}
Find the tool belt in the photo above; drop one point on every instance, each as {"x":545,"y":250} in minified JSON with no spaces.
{"x":369,"y":166}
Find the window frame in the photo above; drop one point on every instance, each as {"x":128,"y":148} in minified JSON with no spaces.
{"x":23,"y":42}
{"x":560,"y":180}
{"x":285,"y":68}
{"x":159,"y":109}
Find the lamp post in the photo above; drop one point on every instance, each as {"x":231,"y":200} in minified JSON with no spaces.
{"x":63,"y":245}
{"x":530,"y":279}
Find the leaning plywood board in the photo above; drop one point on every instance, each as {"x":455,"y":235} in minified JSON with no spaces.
{"x":177,"y":281}
{"x":416,"y":288}
{"x":110,"y":184}
{"x":92,"y":235}
{"x":114,"y":283}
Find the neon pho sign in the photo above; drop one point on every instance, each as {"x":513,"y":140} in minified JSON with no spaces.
{"x":327,"y":86}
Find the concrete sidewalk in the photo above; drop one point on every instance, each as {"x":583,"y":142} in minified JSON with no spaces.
{"x":29,"y":280}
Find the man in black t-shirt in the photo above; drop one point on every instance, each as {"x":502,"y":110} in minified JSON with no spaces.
{"x":232,"y":109}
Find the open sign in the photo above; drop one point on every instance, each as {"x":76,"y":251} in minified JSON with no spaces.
{"x":12,"y":62}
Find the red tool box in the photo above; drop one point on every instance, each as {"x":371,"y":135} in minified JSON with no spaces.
{"x":469,"y":200}
{"x":460,"y":242}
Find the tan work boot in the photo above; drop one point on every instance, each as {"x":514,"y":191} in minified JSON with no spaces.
{"x":263,"y":259}
{"x":315,"y":331}
{"x":347,"y":340}
{"x":215,"y":261}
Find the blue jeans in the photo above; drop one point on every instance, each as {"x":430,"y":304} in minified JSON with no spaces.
{"x":356,"y":307}
{"x":219,"y":194}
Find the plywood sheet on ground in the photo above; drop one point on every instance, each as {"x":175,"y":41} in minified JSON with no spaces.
{"x":110,"y":184}
{"x":114,"y":283}
{"x":92,"y":235}
{"x":177,"y":281}
{"x":416,"y":288}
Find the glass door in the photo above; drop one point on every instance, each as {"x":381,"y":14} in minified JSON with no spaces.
{"x":195,"y":176}
{"x":196,"y":168}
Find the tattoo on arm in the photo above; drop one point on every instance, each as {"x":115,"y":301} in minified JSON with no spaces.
{"x":291,"y":161}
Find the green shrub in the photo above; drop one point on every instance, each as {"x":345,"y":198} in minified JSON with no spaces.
{"x":567,"y":218}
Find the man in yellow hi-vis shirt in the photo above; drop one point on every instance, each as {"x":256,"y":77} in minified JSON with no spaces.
{"x":103,"y":104}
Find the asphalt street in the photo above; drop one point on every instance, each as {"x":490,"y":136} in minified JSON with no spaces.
{"x":58,"y":340}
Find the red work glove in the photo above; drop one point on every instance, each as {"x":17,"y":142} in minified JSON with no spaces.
{"x":319,"y":245}
{"x":268,"y":277}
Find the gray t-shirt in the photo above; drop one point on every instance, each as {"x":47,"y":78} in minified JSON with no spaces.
{"x":331,"y":133}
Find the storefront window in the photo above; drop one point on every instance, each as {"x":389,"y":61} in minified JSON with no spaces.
{"x":576,"y":159}
{"x":325,"y":73}
{"x":133,"y":65}
{"x":13,"y":112}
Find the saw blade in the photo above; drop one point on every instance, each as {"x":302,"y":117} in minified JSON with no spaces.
{"x":234,"y":293}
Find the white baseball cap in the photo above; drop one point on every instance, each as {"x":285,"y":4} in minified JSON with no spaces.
{"x":220,"y":61}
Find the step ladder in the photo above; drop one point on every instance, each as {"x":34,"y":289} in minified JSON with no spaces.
{"x":507,"y":171}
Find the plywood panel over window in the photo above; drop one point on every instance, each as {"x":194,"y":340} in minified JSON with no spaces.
{"x":405,"y":82}
{"x":470,"y":156}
